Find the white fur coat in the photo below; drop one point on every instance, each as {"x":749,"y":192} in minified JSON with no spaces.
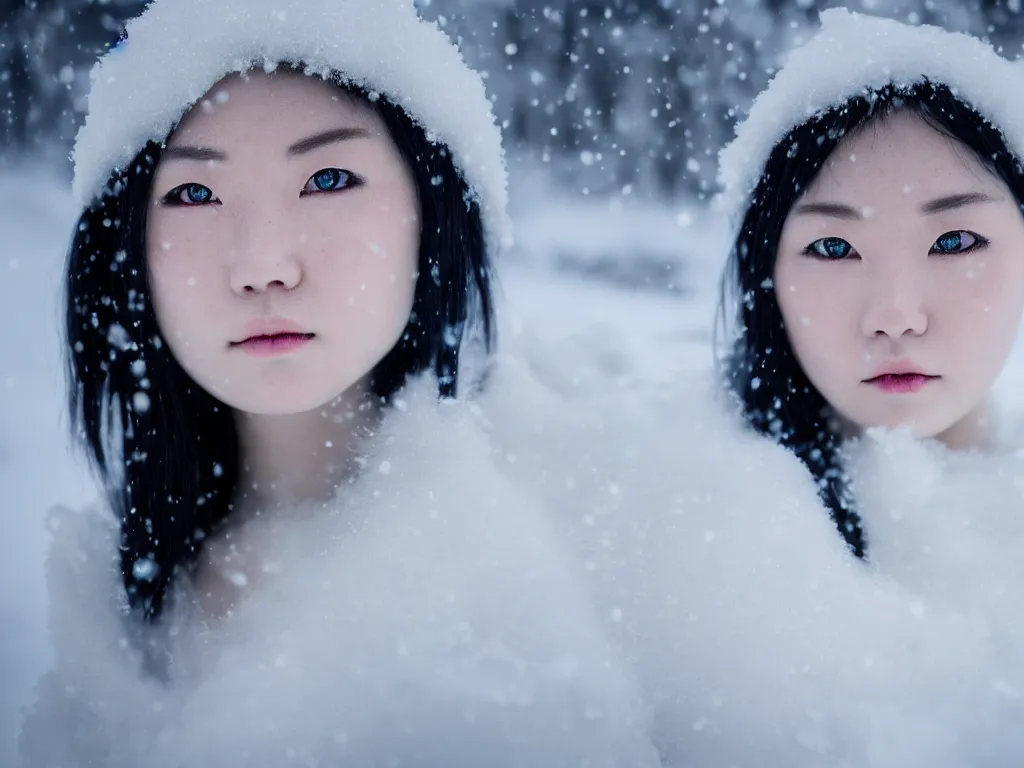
{"x":430,"y":618}
{"x":757,"y":636}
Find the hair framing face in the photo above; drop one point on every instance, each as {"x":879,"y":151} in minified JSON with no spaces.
{"x":854,"y":54}
{"x":140,"y":88}
{"x":761,"y":369}
{"x":165,"y":449}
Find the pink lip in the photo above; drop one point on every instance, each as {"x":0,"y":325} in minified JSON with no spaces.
{"x":900,"y":383}
{"x":272,"y":336}
{"x":897,"y":367}
{"x":899,"y":377}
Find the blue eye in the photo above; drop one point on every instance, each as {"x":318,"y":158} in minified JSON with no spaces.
{"x":832,"y":248}
{"x":189,"y":194}
{"x":959,"y":241}
{"x":329,"y":180}
{"x":197,"y":193}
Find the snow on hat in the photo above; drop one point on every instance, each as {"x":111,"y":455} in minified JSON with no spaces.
{"x":851,"y":54}
{"x":176,"y":50}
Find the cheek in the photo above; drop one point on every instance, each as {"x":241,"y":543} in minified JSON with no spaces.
{"x":370,"y":263}
{"x":815,"y":302}
{"x":987,"y":289}
{"x":983,"y":299}
{"x":183,"y":275}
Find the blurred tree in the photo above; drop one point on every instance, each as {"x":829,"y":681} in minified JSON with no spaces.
{"x":634,"y":95}
{"x":640,"y":94}
{"x":46,"y":50}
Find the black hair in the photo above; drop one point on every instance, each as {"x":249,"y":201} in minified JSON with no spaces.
{"x":761,"y":369}
{"x":166,"y":450}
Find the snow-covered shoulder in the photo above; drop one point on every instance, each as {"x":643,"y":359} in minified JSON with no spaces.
{"x":431,"y":619}
{"x":94,"y":690}
{"x":948,"y":524}
{"x":759,"y":639}
{"x":948,"y":527}
{"x":429,"y":616}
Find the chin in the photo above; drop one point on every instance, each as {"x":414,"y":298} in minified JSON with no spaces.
{"x":278,"y":403}
{"x":274,"y":409}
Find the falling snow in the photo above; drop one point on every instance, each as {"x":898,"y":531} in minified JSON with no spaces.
{"x":597,"y":564}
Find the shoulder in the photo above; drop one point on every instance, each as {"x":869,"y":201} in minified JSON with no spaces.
{"x":82,"y":567}
{"x":700,"y":540}
{"x":83,"y":535}
{"x":76,"y":703}
{"x":643,"y":444}
{"x":437,"y":609}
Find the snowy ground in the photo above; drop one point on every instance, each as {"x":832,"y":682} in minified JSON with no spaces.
{"x":637,"y":283}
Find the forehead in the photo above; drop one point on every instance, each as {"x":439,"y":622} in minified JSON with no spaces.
{"x":268,"y":106}
{"x":901,"y":152}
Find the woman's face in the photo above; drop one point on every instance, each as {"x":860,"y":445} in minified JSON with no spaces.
{"x":900,"y":277}
{"x":282,"y":242}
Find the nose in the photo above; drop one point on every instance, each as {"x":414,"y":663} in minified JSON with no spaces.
{"x":896,"y":311}
{"x":266,"y":259}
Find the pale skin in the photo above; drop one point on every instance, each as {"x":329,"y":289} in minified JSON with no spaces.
{"x":906,"y":251}
{"x":280,"y":199}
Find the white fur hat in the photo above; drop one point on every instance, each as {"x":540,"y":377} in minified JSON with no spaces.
{"x":851,"y":54}
{"x":176,"y":50}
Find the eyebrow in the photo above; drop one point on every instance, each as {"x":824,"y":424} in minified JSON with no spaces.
{"x":327,"y":137}
{"x":300,"y":147}
{"x":950,"y":202}
{"x":938,"y":205}
{"x":835,"y":210}
{"x":202,"y":154}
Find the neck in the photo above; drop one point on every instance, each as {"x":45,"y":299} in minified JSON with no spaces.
{"x":289,"y":459}
{"x":973,"y":432}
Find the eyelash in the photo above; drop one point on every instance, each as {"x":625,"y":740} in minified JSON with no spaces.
{"x":351,"y":181}
{"x":810,"y":250}
{"x":979,"y":242}
{"x":173,"y":198}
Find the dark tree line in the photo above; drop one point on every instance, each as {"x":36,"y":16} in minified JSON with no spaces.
{"x":614,"y":93}
{"x":645,"y":92}
{"x":46,"y":50}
